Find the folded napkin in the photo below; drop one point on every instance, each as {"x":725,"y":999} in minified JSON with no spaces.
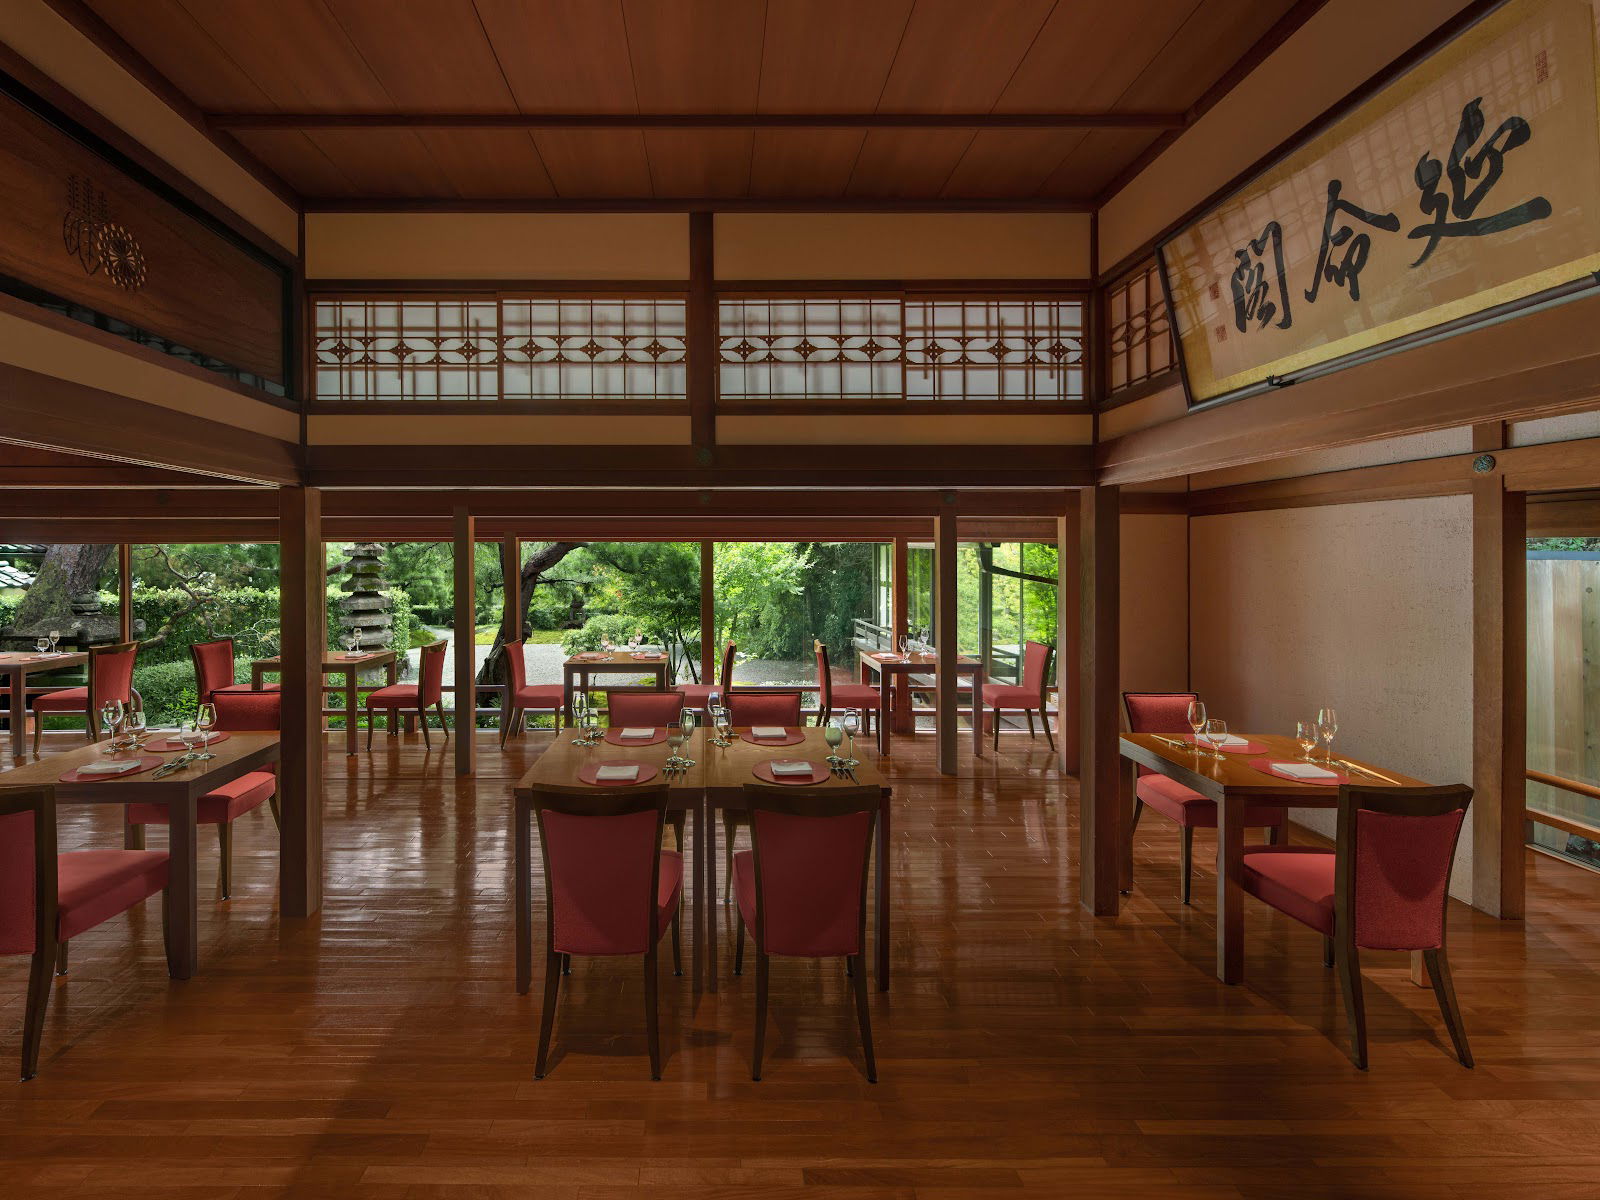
{"x":791,"y":768}
{"x":108,"y":768}
{"x":630,"y":734}
{"x":769,"y":731}
{"x":1230,"y":740}
{"x":1301,"y":770}
{"x":631,"y":771}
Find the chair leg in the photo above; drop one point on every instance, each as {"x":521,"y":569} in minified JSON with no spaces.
{"x":1439,"y":971}
{"x":677,"y":942}
{"x":1138,"y":811}
{"x":652,"y":1025}
{"x":225,"y":849}
{"x":730,"y":830}
{"x":1186,"y":861}
{"x":507,"y":717}
{"x":445,"y":728}
{"x":996,"y":723}
{"x":566,"y":964}
{"x":38,"y":732}
{"x":133,"y":837}
{"x":91,"y":726}
{"x":738,"y":946}
{"x":547,"y":1019}
{"x":38,"y":1001}
{"x":859,"y":975}
{"x":422,"y":716}
{"x":761,"y":1013}
{"x":372,"y":718}
{"x":1050,"y":738}
{"x":1355,"y":1007}
{"x":61,"y":958}
{"x":277,"y":815}
{"x":1028,"y":712}
{"x":1327,"y":952}
{"x":677,"y":829}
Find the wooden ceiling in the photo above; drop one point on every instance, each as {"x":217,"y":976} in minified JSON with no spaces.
{"x":837,"y":101}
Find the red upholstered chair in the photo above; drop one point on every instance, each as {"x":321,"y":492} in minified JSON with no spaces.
{"x":213,"y":669}
{"x":1383,"y":887}
{"x":110,"y":678}
{"x":521,"y":698}
{"x":764,"y":708}
{"x":698,"y":695}
{"x":831,"y":695}
{"x":46,"y":898}
{"x":609,"y":890}
{"x":1026,"y":697}
{"x":1167,"y":712}
{"x":236,"y":712}
{"x":802,"y":888}
{"x":427,"y":693}
{"x":637,"y":709}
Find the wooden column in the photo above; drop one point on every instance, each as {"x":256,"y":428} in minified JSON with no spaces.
{"x":303,"y":634}
{"x":1069,"y":642}
{"x":511,"y":606}
{"x":899,"y":622}
{"x":946,"y":618}
{"x":124,"y":592}
{"x":466,"y":611}
{"x":1499,"y":686}
{"x":708,"y":613}
{"x":701,"y":337}
{"x":1100,"y":798}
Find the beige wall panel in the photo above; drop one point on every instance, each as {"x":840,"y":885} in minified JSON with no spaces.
{"x":1567,"y":428}
{"x":1438,"y":443}
{"x":1367,"y":607}
{"x":54,"y":352}
{"x":911,"y":430}
{"x":1166,"y":405}
{"x":525,"y":429}
{"x":1155,"y":603}
{"x":445,"y":245}
{"x":902,"y":245}
{"x":1335,"y":51}
{"x":50,"y":43}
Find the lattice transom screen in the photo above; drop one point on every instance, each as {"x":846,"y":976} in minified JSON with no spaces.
{"x":923,"y":351}
{"x":1139,"y":330}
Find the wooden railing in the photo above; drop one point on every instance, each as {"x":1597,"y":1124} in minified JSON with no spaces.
{"x":1556,"y":820}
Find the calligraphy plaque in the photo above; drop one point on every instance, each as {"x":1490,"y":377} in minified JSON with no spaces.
{"x":1469,"y":182}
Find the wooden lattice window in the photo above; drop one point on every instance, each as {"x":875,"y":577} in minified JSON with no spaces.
{"x":1139,"y":330}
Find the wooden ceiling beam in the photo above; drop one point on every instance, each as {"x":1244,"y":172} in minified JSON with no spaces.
{"x":1159,"y":121}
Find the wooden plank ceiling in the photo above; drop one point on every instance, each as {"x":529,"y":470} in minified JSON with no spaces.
{"x":289,"y":62}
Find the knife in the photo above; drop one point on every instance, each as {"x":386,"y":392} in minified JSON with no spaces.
{"x":1368,"y":771}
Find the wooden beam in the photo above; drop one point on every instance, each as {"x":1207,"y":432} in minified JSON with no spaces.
{"x":1450,"y":475}
{"x":465,"y":642}
{"x":124,"y":592}
{"x":302,"y":572}
{"x":1069,"y":641}
{"x":1129,"y":119}
{"x":1100,"y":779}
{"x":899,"y":625}
{"x":701,"y":338}
{"x":1499,"y":686}
{"x":709,"y":649}
{"x":690,"y":204}
{"x":946,"y":637}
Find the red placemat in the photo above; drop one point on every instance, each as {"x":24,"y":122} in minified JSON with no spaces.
{"x":792,"y":738}
{"x":657,"y":736}
{"x":1249,"y":747}
{"x":886,"y":656}
{"x":591,"y":656}
{"x":819,"y":774}
{"x":147,"y":762}
{"x":1264,"y":765}
{"x":169,"y":744}
{"x":647,"y":772}
{"x":648,"y":657}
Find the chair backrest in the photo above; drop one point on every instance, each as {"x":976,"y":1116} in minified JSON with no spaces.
{"x":430,"y":687}
{"x":1395,"y":850}
{"x":602,"y":862}
{"x":1158,"y":712}
{"x":1036,"y":668}
{"x":248,"y":711}
{"x":725,"y":675}
{"x":27,"y":868}
{"x":516,"y":666}
{"x":811,"y":849}
{"x":824,"y":675}
{"x":639,"y":708}
{"x":111,"y":673}
{"x":763,"y":708}
{"x":213,"y":665}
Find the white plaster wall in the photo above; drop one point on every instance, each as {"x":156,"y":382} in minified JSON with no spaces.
{"x":1367,"y":607}
{"x":1155,"y":602}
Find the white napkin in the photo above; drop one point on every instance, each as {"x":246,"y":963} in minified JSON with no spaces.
{"x":769,"y":731}
{"x":1230,"y":740}
{"x":791,"y":768}
{"x":628,"y":772}
{"x":107,"y":768}
{"x":1299,"y":770}
{"x":634,"y":734}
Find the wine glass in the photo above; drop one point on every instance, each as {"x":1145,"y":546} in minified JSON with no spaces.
{"x":205,"y":720}
{"x":1217,"y":735}
{"x":580,"y":712}
{"x":1327,"y":726}
{"x":135,"y":726}
{"x":1305,"y":732}
{"x":904,"y":644}
{"x":352,"y":641}
{"x":852,"y":723}
{"x":833,"y":734}
{"x":633,"y":642}
{"x":591,"y":726}
{"x":189,"y":736}
{"x":723,"y":720}
{"x":1197,"y":721}
{"x":42,"y":645}
{"x":686,"y":726}
{"x":675,"y":740}
{"x":55,"y":636}
{"x":111,"y":714}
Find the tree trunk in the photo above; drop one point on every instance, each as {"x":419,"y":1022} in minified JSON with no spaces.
{"x":65,"y":572}
{"x":533,"y":572}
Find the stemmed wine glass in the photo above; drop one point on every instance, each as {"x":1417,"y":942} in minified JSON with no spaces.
{"x":1305,"y":732}
{"x":591,"y":726}
{"x":55,"y":636}
{"x":852,"y":723}
{"x":904,"y":644}
{"x":1217,"y":735}
{"x":352,"y":641}
{"x":134,"y":723}
{"x":833,"y":734}
{"x":686,"y":726}
{"x":111,"y":714}
{"x":722,"y":719}
{"x":42,"y":645}
{"x":580,"y":718}
{"x":189,"y":735}
{"x":633,"y":642}
{"x":1327,"y":726}
{"x":205,"y":720}
{"x":1197,"y":721}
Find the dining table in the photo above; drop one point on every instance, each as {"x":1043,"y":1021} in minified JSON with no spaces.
{"x":350,"y":665}
{"x":1246,"y":775}
{"x":894,"y":671}
{"x":576,"y":671}
{"x":180,"y":791}
{"x":16,"y":666}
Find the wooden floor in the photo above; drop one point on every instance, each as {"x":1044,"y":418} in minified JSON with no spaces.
{"x":381,"y":1051}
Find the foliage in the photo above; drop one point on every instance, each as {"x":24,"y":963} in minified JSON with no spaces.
{"x":649,"y":588}
{"x":1564,"y":543}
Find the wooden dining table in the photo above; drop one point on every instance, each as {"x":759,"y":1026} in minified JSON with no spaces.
{"x":575,"y":672}
{"x":339,"y":664}
{"x":238,"y":755}
{"x":1234,"y":784}
{"x":17,"y":666}
{"x":890,"y":668}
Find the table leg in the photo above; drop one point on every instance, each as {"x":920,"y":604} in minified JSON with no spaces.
{"x":350,"y":711}
{"x":1125,"y":884}
{"x":19,"y":714}
{"x":885,"y":735}
{"x":182,"y":888}
{"x":711,"y":926}
{"x":566,"y":696}
{"x":257,"y":677}
{"x":522,"y":831}
{"x":1230,"y":896}
{"x":977,"y":717}
{"x":880,"y":896}
{"x":698,"y":901}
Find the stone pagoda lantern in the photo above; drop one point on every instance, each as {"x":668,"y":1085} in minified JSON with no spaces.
{"x":364,"y":609}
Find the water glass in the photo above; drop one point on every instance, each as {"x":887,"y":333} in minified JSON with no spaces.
{"x":42,"y":645}
{"x":205,"y":721}
{"x":580,"y":718}
{"x":723,"y":720}
{"x":55,"y":636}
{"x":135,"y":726}
{"x":852,"y":723}
{"x":834,"y":736}
{"x":1305,"y":732}
{"x":1327,"y":726}
{"x":1216,"y":733}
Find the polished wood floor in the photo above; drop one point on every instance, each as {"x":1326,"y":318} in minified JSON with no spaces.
{"x":381,"y":1051}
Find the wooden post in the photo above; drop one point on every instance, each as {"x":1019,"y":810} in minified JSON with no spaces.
{"x":301,"y":596}
{"x":947,"y":612}
{"x":124,"y":592}
{"x":466,"y":664}
{"x":1100,"y":796}
{"x":708,"y":613}
{"x":1069,"y":642}
{"x":899,"y":622}
{"x":1499,"y":686}
{"x":511,"y":606}
{"x":701,"y":339}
